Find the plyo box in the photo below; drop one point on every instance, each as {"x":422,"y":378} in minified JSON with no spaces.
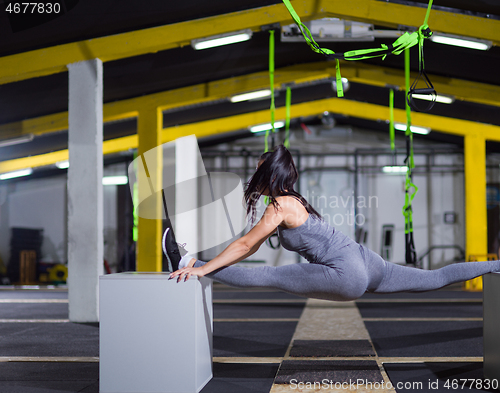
{"x":155,"y":335}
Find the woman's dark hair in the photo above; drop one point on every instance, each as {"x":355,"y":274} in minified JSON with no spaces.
{"x":278,"y":174}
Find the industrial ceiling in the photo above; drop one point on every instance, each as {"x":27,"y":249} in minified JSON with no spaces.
{"x":148,"y":59}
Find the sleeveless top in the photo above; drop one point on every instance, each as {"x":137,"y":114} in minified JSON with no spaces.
{"x":315,"y":240}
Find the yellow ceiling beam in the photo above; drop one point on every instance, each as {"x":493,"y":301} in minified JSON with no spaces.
{"x":355,"y":71}
{"x":231,"y":123}
{"x":54,"y":59}
{"x":204,"y":92}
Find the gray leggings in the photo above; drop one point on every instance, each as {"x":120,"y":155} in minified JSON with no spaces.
{"x":353,"y":271}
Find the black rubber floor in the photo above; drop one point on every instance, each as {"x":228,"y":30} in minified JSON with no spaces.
{"x":34,"y":311}
{"x":256,"y":339}
{"x":427,"y":339}
{"x":421,"y":310}
{"x":258,"y":310}
{"x":237,"y":294}
{"x":32,"y":294}
{"x":331,"y":348}
{"x":49,"y":339}
{"x":439,"y":377}
{"x":241,"y":378}
{"x":438,"y":294}
{"x":45,"y":377}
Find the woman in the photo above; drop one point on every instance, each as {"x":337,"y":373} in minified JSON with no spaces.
{"x":339,"y":268}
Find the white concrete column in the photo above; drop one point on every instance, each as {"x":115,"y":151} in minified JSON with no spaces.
{"x":188,"y":165}
{"x":85,"y":201}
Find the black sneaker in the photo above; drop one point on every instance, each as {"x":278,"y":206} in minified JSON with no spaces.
{"x":174,"y":251}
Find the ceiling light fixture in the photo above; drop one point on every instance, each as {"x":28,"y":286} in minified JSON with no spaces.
{"x":12,"y":175}
{"x":114,"y":180}
{"x":464,"y":42}
{"x":62,"y":164}
{"x":251,"y":96}
{"x":439,"y":98}
{"x":16,"y":141}
{"x":222,"y":39}
{"x":267,"y":126}
{"x":395,"y":169}
{"x":414,"y":129}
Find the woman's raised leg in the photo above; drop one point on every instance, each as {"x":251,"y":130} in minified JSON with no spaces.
{"x":399,"y":278}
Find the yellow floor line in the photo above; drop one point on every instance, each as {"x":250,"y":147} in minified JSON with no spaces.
{"x":264,"y":301}
{"x":49,"y":359}
{"x":33,"y":300}
{"x":419,"y":300}
{"x":420,"y":319}
{"x":34,"y":320}
{"x":257,"y":360}
{"x":256,"y":319}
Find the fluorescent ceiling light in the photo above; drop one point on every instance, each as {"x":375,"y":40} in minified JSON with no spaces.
{"x":251,"y":96}
{"x":16,"y":141}
{"x":439,"y":98}
{"x":461,"y":41}
{"x":395,"y":169}
{"x":414,"y":129}
{"x":223,"y":39}
{"x":12,"y":175}
{"x":114,"y":180}
{"x":267,"y":126}
{"x":62,"y":164}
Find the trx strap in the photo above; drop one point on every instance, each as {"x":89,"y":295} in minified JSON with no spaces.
{"x":287,"y":119}
{"x":314,"y":46}
{"x":391,"y":118}
{"x":410,"y":254}
{"x":404,"y":42}
{"x":271,"y":83}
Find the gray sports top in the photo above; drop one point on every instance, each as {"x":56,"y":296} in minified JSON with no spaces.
{"x":315,"y":240}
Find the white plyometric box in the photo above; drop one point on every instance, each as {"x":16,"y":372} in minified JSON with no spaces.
{"x":491,"y":326}
{"x":155,"y":335}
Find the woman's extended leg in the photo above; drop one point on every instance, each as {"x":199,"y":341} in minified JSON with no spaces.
{"x":399,"y":278}
{"x":302,"y":279}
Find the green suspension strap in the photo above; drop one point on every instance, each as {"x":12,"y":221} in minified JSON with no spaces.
{"x":391,"y":118}
{"x":410,"y":254}
{"x":405,"y":41}
{"x":287,"y":121}
{"x":271,"y":83}
{"x":314,"y":46}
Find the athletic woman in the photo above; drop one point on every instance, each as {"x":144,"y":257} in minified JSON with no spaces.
{"x":339,"y":269}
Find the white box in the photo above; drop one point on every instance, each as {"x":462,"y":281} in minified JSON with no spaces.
{"x":155,"y":335}
{"x":491,"y":326}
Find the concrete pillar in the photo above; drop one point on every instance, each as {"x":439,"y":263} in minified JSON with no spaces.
{"x":188,"y":166}
{"x":85,"y":204}
{"x":149,"y":250}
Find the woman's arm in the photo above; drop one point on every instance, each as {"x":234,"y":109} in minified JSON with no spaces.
{"x":234,"y":253}
{"x":239,"y":249}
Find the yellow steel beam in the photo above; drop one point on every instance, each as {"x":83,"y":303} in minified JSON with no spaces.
{"x":149,"y":250}
{"x":355,"y":71}
{"x":479,"y":93}
{"x":476,"y":227}
{"x":53,"y":60}
{"x":231,"y":123}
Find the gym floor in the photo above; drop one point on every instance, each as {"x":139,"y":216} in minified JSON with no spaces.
{"x":269,"y":341}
